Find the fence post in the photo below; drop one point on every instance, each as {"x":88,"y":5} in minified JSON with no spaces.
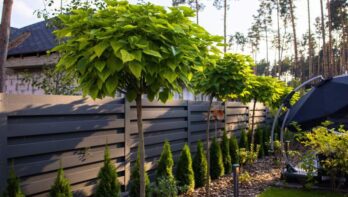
{"x":3,"y":143}
{"x":188,"y":103}
{"x":127,"y":166}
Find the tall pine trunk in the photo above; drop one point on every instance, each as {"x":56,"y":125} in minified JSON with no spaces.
{"x":225,"y":26}
{"x":141,"y":145}
{"x":298,"y":71}
{"x":310,"y":46}
{"x":325,"y":65}
{"x":252,"y":123}
{"x":4,"y":39}
{"x":207,"y":187}
{"x":331,"y":56}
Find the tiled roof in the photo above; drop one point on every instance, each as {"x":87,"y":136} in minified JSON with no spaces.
{"x":40,"y":40}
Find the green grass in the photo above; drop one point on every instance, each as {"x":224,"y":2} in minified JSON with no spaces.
{"x":281,"y":192}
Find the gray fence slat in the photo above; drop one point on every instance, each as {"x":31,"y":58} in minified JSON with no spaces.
{"x":148,"y":127}
{"x":163,"y":113}
{"x":3,"y":144}
{"x":149,"y":140}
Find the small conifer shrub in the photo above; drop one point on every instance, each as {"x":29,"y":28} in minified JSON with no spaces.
{"x":61,"y":187}
{"x":184,"y":173}
{"x":234,"y":150}
{"x":13,"y":187}
{"x":243,"y":141}
{"x":134,"y":182}
{"x":200,"y":166}
{"x":216,"y":162}
{"x":108,"y":184}
{"x":166,"y":162}
{"x":225,"y":150}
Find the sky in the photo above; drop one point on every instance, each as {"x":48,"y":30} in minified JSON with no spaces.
{"x":239,"y":16}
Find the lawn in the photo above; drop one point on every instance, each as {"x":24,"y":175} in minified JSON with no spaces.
{"x":277,"y":192}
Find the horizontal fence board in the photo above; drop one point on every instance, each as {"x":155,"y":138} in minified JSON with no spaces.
{"x":160,"y":126}
{"x":203,"y":126}
{"x":159,"y":138}
{"x":159,"y":114}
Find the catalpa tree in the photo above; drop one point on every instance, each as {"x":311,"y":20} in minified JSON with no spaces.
{"x":133,"y":49}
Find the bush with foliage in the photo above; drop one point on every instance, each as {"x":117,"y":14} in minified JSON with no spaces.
{"x":216,"y":161}
{"x":244,"y":178}
{"x":165,"y":187}
{"x":259,"y":139}
{"x":108,"y":184}
{"x":13,"y":188}
{"x":200,"y":167}
{"x":234,"y":150}
{"x":134,"y":182}
{"x":243,"y":141}
{"x":184,"y":173}
{"x":225,"y":150}
{"x":61,"y":187}
{"x":165,"y":163}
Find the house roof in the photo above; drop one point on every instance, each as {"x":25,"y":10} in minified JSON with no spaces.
{"x":38,"y":39}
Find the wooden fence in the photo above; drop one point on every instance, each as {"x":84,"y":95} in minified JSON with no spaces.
{"x":38,"y":134}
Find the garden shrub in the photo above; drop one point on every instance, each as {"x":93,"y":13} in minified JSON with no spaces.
{"x":184,"y":173}
{"x":266,"y":139}
{"x":165,"y":186}
{"x":200,"y":166}
{"x":13,"y":188}
{"x":243,"y":141}
{"x":245,"y":178}
{"x":108,"y":184}
{"x":225,"y":150}
{"x":260,"y":141}
{"x":234,"y":150}
{"x":216,"y":162}
{"x":61,"y":187}
{"x":134,"y":182}
{"x":165,"y":163}
{"x":243,"y":156}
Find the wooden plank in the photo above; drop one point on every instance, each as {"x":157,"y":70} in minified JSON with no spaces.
{"x":203,"y":126}
{"x":236,"y":111}
{"x":157,"y":114}
{"x":73,"y":160}
{"x":235,"y":104}
{"x":172,"y":103}
{"x":149,"y":140}
{"x":236,"y":126}
{"x":29,"y":129}
{"x":3,"y":144}
{"x":32,"y":61}
{"x":237,"y":118}
{"x":61,"y":145}
{"x":148,"y":127}
{"x":156,"y":151}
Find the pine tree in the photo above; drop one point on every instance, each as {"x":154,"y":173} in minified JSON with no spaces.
{"x":225,"y":150}
{"x":234,"y":150}
{"x":260,"y":141}
{"x":61,"y":187}
{"x":134,"y":182}
{"x":243,"y":141}
{"x":165,"y":163}
{"x":200,"y":167}
{"x":217,"y":165}
{"x":108,"y":184}
{"x":184,"y":172}
{"x":13,"y":188}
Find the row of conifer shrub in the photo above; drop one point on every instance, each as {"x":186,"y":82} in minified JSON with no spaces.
{"x":188,"y":174}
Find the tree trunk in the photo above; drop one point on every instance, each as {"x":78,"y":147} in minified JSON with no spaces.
{"x":252,"y":123}
{"x":325,"y":67}
{"x":331,"y":57}
{"x":310,"y":46}
{"x":225,"y":26}
{"x":141,"y":144}
{"x":266,"y":32}
{"x":298,"y":71}
{"x":4,"y":39}
{"x":197,"y":12}
{"x":207,"y":187}
{"x":278,"y":32}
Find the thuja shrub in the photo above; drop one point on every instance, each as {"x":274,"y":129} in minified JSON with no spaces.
{"x":166,"y":162}
{"x":200,"y":167}
{"x":13,"y":187}
{"x":225,"y":150}
{"x":165,"y":187}
{"x":234,"y":150}
{"x":216,"y":162}
{"x":243,"y":141}
{"x":260,"y":141}
{"x":134,"y":182}
{"x":108,"y":184}
{"x":61,"y":187}
{"x":184,"y":173}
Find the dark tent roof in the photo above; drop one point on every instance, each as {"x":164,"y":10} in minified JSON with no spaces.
{"x":40,"y":40}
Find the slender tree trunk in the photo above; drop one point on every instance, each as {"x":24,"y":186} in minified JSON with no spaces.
{"x":310,"y":46}
{"x":4,"y":39}
{"x":207,"y":187}
{"x":252,"y":123}
{"x":298,"y":71}
{"x":141,"y":144}
{"x":278,"y":32}
{"x":266,"y":32}
{"x":197,"y":11}
{"x":225,"y":26}
{"x":325,"y":67}
{"x":331,"y":57}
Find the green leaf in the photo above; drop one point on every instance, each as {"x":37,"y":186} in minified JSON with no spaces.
{"x":152,"y":52}
{"x":129,"y":27}
{"x":135,"y":68}
{"x":111,"y":85}
{"x":114,"y":64}
{"x":100,"y":48}
{"x":82,"y":65}
{"x":116,"y":45}
{"x":126,"y":57}
{"x":100,"y":65}
{"x":131,"y":95}
{"x":170,"y":76}
{"x":138,"y":55}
